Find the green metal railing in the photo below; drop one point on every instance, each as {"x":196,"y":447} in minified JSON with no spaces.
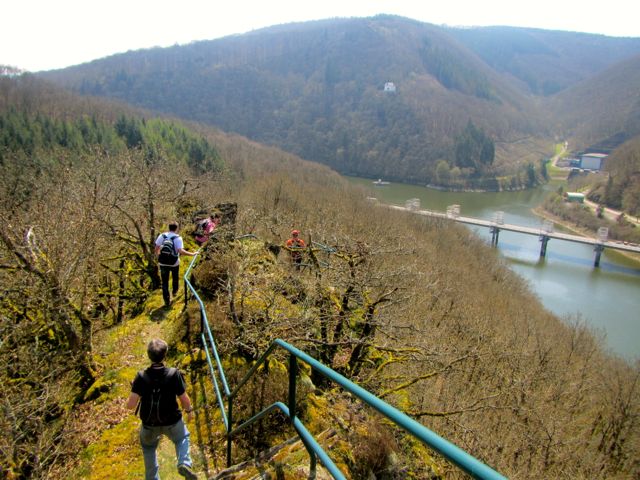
{"x":456,"y":455}
{"x":209,"y":344}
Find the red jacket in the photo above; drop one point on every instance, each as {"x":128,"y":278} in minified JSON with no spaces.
{"x":296,"y":243}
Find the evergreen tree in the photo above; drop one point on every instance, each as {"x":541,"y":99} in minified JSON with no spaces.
{"x":474,"y":149}
{"x":613,"y":194}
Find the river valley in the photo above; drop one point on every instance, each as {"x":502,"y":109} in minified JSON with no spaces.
{"x":607,"y":298}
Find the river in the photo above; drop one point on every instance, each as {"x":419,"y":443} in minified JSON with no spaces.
{"x":607,"y":298}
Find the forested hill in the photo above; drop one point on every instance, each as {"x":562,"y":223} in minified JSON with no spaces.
{"x":622,"y":188}
{"x":604,"y":106}
{"x":317,"y":89}
{"x":545,"y":62}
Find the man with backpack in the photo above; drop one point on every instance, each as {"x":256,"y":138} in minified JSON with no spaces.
{"x":169,"y":246}
{"x":154,"y":392}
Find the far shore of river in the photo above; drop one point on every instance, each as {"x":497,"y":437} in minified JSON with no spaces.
{"x":541,"y":212}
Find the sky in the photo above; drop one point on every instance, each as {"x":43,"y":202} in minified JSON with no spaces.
{"x":48,"y":34}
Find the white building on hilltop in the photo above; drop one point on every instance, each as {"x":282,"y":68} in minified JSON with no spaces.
{"x":390,"y":87}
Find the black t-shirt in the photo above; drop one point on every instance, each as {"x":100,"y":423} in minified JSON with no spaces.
{"x":158,"y":387}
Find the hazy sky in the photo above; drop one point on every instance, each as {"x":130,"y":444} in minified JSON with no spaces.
{"x":46,"y":34}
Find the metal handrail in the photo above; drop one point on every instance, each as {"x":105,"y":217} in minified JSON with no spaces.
{"x":211,"y":344}
{"x":456,"y":455}
{"x":313,"y":447}
{"x":323,"y":247}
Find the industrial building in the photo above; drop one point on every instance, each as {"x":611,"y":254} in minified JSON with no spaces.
{"x":592,"y":161}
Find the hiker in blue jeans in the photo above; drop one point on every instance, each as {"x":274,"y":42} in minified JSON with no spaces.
{"x":154,"y":392}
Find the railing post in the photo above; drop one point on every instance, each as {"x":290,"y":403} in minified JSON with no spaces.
{"x":293,"y":374}
{"x":202,"y":329}
{"x":186,"y":294}
{"x":229,"y":428}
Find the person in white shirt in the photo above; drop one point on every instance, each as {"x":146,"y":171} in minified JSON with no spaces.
{"x":169,"y":247}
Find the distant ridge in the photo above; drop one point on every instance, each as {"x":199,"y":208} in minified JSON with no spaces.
{"x":546,"y":61}
{"x":604,"y":107}
{"x":316,"y":89}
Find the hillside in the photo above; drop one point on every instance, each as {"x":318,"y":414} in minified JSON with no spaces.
{"x":545,"y":62}
{"x":621,"y":189}
{"x":316,"y":89}
{"x":624,"y":170}
{"x":438,"y":326}
{"x":606,"y":105}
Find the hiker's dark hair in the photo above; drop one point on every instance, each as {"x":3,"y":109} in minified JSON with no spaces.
{"x":157,"y":350}
{"x":173,"y":226}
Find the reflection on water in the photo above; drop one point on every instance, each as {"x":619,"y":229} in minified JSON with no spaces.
{"x":518,"y":254}
{"x":565,"y":281}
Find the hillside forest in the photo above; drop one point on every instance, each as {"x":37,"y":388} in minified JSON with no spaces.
{"x":417,"y":311}
{"x":389,"y":97}
{"x":317,"y":90}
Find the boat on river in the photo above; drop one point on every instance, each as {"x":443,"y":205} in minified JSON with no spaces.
{"x":380,"y":182}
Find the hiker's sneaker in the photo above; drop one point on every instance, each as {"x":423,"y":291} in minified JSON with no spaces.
{"x":186,"y":472}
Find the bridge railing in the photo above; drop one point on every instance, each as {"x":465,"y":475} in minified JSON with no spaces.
{"x":456,"y":455}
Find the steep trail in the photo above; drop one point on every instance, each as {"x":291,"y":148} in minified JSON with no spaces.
{"x":109,"y":432}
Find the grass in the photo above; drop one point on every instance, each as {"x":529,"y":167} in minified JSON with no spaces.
{"x":556,"y":172}
{"x":553,"y":171}
{"x":106,"y":429}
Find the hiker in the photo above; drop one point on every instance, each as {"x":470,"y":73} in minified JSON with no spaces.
{"x":295,"y":245}
{"x":169,"y":247}
{"x":204,"y":229}
{"x":154,"y":393}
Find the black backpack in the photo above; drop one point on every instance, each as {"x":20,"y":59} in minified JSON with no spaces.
{"x":168,"y":254}
{"x":157,"y":407}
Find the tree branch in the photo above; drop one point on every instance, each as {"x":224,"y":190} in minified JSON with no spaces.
{"x":474,"y":407}
{"x":415,"y":380}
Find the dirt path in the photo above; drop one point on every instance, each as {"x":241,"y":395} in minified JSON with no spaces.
{"x":106,"y":431}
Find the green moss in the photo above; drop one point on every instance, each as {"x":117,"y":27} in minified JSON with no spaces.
{"x":315,"y":412}
{"x":276,"y":366}
{"x":422,"y":456}
{"x":98,"y":388}
{"x":115,"y":455}
{"x":194,"y":359}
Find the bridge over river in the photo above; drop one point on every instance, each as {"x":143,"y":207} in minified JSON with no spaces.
{"x":545,"y":233}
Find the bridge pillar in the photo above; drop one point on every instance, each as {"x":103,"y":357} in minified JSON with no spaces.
{"x":598,"y":249}
{"x":544,"y":239}
{"x":495,"y":232}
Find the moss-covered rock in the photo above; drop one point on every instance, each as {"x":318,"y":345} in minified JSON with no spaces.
{"x":100,"y":386}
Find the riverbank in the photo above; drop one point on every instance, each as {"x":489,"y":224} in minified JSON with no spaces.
{"x":539,"y":211}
